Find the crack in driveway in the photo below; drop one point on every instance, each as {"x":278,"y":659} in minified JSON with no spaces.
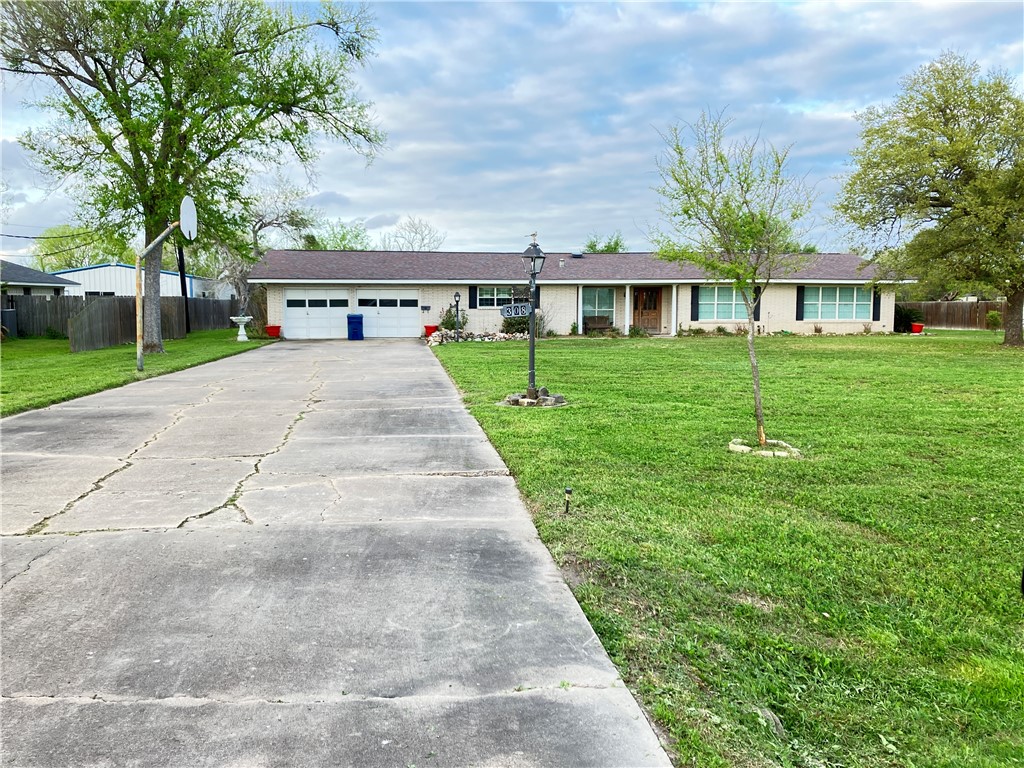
{"x":41,"y":525}
{"x":28,"y":565}
{"x":236,"y":496}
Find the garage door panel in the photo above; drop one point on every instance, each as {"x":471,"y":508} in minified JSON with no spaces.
{"x":389,"y":313}
{"x":315,"y":313}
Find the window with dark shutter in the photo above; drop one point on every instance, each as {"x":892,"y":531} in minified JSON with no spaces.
{"x":536,"y":297}
{"x":799,"y":302}
{"x":757,"y":304}
{"x":876,"y":306}
{"x":694,"y":303}
{"x":472,"y":297}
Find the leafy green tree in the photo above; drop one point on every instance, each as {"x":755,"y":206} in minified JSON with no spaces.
{"x":337,"y":235}
{"x":612,"y":244}
{"x":731,"y":209}
{"x":68,"y":247}
{"x":937,"y":190}
{"x":157,"y":99}
{"x":795,"y":246}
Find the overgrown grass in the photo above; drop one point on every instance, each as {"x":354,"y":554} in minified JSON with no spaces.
{"x":36,"y":372}
{"x":869,"y":595}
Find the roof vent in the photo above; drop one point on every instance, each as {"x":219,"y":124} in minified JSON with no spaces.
{"x":561,"y":263}
{"x":577,"y":255}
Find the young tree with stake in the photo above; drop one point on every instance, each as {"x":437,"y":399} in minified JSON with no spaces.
{"x":731,"y":209}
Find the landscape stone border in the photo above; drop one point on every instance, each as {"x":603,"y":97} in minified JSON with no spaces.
{"x":781,"y":450}
{"x":443,"y":336}
{"x":543,"y":400}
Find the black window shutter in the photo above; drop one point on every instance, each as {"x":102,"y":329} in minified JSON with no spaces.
{"x":472,"y":297}
{"x":757,"y":303}
{"x":799,"y":302}
{"x":695,"y":302}
{"x":876,"y":306}
{"x":536,"y":297}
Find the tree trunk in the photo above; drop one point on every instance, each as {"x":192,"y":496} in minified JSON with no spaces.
{"x":152,"y":333}
{"x":1014,"y":324}
{"x":756,"y":375}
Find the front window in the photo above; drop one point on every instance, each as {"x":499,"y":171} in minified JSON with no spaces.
{"x":721,"y":302}
{"x":836,"y":303}
{"x":494,"y":296}
{"x":599,"y":302}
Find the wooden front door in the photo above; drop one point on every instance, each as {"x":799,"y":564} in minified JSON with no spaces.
{"x":647,"y":309}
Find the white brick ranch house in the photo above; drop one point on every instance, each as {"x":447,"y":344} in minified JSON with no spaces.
{"x":310,"y":293}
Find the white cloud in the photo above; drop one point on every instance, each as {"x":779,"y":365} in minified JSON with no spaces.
{"x":505,"y":118}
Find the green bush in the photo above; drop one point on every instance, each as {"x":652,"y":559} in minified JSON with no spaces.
{"x":448,"y":319}
{"x":522,"y":325}
{"x":53,"y":333}
{"x":993,"y":319}
{"x":904,"y":317}
{"x":515,"y":325}
{"x":638,"y":332}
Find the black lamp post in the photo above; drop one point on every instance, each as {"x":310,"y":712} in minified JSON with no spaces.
{"x":533,"y":261}
{"x":458,"y":298}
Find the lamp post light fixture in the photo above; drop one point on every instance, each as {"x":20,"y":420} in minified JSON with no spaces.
{"x":458,"y":298}
{"x":533,"y":261}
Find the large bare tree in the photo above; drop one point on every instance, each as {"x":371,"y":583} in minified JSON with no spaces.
{"x":413,"y":234}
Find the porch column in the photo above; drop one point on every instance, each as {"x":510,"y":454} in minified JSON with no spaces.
{"x":675,"y":309}
{"x":629,"y":310}
{"x":579,"y":308}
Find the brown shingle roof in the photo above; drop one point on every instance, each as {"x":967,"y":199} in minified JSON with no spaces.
{"x":18,"y":274}
{"x":281,"y":265}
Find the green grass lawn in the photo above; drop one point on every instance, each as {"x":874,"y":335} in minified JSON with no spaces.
{"x":868,"y":595}
{"x":36,"y":372}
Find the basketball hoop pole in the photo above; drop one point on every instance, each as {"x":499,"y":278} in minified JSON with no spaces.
{"x":138,"y":289}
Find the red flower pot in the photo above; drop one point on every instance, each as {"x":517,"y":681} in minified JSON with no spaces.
{"x":917,"y":327}
{"x":428,"y":330}
{"x":274,"y":331}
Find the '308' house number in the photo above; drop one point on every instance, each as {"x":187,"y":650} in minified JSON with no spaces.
{"x":516,"y":310}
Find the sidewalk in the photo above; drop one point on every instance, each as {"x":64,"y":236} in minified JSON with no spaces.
{"x":305,"y":555}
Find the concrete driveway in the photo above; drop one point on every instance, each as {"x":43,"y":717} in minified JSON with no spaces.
{"x":305,"y":555}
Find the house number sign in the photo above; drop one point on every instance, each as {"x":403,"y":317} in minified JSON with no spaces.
{"x":516,"y":310}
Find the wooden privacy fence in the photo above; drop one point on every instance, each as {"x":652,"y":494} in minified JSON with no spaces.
{"x":956,"y":314}
{"x":37,"y":314}
{"x":104,"y":322}
{"x":95,"y":322}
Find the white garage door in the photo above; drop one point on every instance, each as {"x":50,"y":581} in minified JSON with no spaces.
{"x":389,"y":312}
{"x":315,"y":313}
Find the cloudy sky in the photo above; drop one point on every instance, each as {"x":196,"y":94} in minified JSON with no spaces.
{"x":506,"y":118}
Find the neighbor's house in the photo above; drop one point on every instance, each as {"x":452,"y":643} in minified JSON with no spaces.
{"x":16,"y":279}
{"x":309,"y":293}
{"x":119,"y":280}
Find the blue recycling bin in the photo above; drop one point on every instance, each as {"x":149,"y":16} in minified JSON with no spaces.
{"x":355,"y":327}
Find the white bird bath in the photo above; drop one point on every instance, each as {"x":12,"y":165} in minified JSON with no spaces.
{"x":241,"y":321}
